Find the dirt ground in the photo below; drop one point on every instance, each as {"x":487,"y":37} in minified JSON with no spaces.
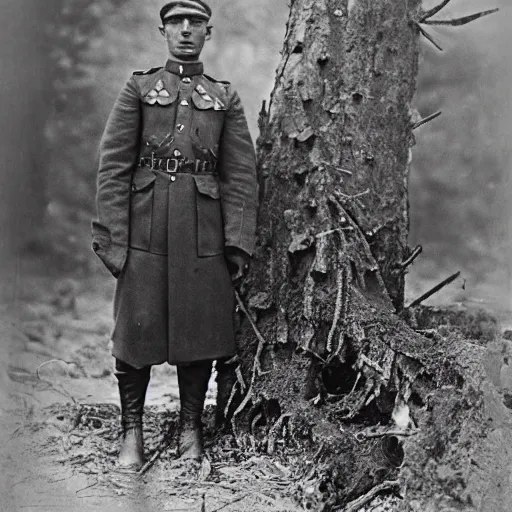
{"x":60,"y":420}
{"x":59,"y":426}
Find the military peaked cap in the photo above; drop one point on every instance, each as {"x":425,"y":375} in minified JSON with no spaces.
{"x":196,"y":8}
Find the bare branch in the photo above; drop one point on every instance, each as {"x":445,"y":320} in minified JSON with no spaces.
{"x":427,"y":36}
{"x":426,"y":120}
{"x":432,"y":12}
{"x":412,"y":258}
{"x":434,"y":290}
{"x":457,"y":22}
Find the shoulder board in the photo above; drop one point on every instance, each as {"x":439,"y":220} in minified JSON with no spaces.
{"x":147,"y":71}
{"x":223,"y":82}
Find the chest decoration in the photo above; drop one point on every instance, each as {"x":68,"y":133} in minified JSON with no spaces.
{"x":209,"y":102}
{"x":158,"y":95}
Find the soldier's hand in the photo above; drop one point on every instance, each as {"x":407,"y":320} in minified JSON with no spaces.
{"x":96,"y":247}
{"x":238,"y":263}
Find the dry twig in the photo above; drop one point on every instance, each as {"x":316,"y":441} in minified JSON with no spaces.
{"x":273,"y":432}
{"x":359,"y":503}
{"x":232,"y":502}
{"x":256,"y":369}
{"x":50,"y":384}
{"x":427,"y":36}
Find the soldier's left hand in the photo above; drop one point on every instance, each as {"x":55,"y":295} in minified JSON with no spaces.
{"x":238,"y":263}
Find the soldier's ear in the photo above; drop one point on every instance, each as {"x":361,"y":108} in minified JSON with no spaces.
{"x":209,"y":32}
{"x":161,"y":29}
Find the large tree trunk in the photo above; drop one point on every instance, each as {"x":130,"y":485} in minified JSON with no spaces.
{"x":334,"y":158}
{"x":323,"y":353}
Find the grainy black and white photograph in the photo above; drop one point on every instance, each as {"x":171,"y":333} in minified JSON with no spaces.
{"x":256,"y":256}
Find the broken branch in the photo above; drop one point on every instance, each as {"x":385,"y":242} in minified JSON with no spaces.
{"x":427,"y":119}
{"x":434,"y":290}
{"x":410,"y":260}
{"x":457,"y":22}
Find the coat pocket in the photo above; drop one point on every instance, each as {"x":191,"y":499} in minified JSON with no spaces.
{"x":141,"y":209}
{"x":207,"y":123}
{"x":210,"y":229}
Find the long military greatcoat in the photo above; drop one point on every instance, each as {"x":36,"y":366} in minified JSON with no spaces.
{"x":164,"y":234}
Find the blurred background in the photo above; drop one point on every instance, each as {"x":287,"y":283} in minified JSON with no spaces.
{"x":64,"y":61}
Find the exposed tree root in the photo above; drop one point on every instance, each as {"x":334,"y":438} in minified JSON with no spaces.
{"x":357,"y":504}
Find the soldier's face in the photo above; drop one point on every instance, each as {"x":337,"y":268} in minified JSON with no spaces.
{"x":185,"y":36}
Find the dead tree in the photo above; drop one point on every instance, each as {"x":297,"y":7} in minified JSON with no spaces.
{"x":325,"y":354}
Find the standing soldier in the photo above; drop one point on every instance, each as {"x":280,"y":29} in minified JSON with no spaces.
{"x":176,"y":203}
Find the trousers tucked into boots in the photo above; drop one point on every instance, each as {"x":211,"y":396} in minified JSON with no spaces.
{"x":133,"y":384}
{"x":193,"y":384}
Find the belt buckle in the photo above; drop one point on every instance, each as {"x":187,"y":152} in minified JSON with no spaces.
{"x":176,"y":165}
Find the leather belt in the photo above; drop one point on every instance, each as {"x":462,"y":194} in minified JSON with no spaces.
{"x":173,"y":165}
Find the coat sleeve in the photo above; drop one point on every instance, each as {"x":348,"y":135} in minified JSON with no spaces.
{"x":118,"y":151}
{"x":237,"y":178}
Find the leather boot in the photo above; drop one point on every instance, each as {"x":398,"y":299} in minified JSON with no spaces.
{"x":133,"y":384}
{"x":193,"y":384}
{"x":226,"y":378}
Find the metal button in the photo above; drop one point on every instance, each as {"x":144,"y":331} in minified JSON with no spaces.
{"x":180,"y":127}
{"x":184,"y":103}
{"x":177,"y":153}
{"x":186,"y":80}
{"x":173,"y":178}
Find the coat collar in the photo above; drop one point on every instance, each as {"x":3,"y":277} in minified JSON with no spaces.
{"x":184,"y":68}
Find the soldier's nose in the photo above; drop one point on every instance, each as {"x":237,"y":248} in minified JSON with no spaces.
{"x":185,"y":28}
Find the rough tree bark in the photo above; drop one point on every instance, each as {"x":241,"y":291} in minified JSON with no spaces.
{"x":334,"y":159}
{"x":324,"y":354}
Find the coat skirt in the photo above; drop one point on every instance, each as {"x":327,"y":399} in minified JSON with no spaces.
{"x":174,"y":300}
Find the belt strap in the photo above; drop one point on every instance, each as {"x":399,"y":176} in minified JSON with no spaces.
{"x":172,"y":165}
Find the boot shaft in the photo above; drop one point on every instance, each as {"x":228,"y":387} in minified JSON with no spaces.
{"x":193,"y":385}
{"x":133,"y":384}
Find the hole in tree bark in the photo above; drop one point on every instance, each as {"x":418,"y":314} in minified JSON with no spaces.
{"x":371,"y":282}
{"x":357,"y":97}
{"x":438,"y":449}
{"x":392,"y":450}
{"x":272,"y":410}
{"x":386,"y":402}
{"x":417,"y":400}
{"x":300,"y":178}
{"x":339,"y":378}
{"x":299,"y":47}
